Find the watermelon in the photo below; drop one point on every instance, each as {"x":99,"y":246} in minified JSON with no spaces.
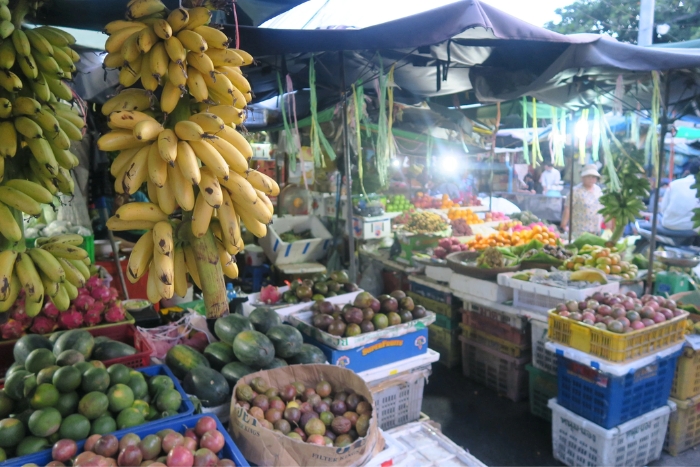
{"x":286,"y":339}
{"x":254,"y":349}
{"x":109,"y":349}
{"x":308,"y":354}
{"x":227,"y":327}
{"x":276,"y":363}
{"x":219,"y":354}
{"x":236,"y":370}
{"x":27,"y":343}
{"x":263,"y":318}
{"x":76,"y":339}
{"x":210,"y":386}
{"x":182,"y":358}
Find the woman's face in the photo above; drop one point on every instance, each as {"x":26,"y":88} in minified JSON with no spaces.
{"x":589,"y":180}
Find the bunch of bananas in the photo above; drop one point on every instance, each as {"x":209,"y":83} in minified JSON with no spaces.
{"x":185,"y":148}
{"x":625,"y":204}
{"x":56,"y":269}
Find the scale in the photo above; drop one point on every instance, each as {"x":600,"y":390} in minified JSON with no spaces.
{"x":673,"y":282}
{"x":293,"y":200}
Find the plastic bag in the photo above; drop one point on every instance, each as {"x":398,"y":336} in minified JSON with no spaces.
{"x":163,"y":338}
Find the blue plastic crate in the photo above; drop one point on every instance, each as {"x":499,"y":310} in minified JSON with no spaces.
{"x":186,"y":409}
{"x":609,"y":400}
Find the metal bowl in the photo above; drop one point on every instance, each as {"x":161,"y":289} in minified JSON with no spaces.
{"x":681,"y":260}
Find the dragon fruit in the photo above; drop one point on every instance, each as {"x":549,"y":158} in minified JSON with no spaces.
{"x":100,"y":293}
{"x":93,"y":282}
{"x":12,"y":329}
{"x":115,"y":314}
{"x":92,"y":317}
{"x":43,"y":325}
{"x":70,"y":319}
{"x":270,"y":295}
{"x":97,"y":307}
{"x":50,"y":311}
{"x":19,"y":315}
{"x":113,"y":295}
{"x":83,"y":302}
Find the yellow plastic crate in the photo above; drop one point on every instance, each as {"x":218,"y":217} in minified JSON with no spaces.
{"x":683,"y":426}
{"x":686,"y":383}
{"x":616,"y":347}
{"x":489,"y":340}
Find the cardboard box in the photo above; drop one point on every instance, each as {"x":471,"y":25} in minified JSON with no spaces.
{"x":301,"y":251}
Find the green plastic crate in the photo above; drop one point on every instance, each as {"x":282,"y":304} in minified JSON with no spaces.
{"x":543,"y":386}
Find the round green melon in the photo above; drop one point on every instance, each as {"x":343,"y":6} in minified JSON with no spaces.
{"x":26,"y":344}
{"x":264,"y":318}
{"x":219,"y":354}
{"x":228,"y":327}
{"x":286,"y":339}
{"x":307,"y":355}
{"x":236,"y":370}
{"x":254,"y":349}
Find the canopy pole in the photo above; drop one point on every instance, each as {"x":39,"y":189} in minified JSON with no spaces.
{"x":348,"y":175}
{"x":571,"y":196}
{"x":659,"y":172}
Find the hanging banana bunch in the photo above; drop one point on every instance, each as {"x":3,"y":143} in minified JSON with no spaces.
{"x":36,"y":116}
{"x":186,"y":147}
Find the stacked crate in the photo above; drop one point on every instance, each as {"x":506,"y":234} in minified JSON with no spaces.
{"x":684,"y":423}
{"x":543,"y":371}
{"x":443,"y":334}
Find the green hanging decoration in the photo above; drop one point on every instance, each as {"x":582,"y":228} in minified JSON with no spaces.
{"x":614,"y":180}
{"x":526,"y":149}
{"x":655,"y":110}
{"x":384,"y":142}
{"x":562,"y":132}
{"x":634,"y":129}
{"x":318,"y":139}
{"x":358,"y":95}
{"x":582,"y":141}
{"x":595,"y":135}
{"x":290,"y":147}
{"x":536,"y":152}
{"x":428,"y":151}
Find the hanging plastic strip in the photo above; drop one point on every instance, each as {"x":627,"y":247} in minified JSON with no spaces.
{"x":289,"y":146}
{"x":536,"y":152}
{"x":607,"y":153}
{"x":357,"y":98}
{"x":526,"y":149}
{"x":318,"y":139}
{"x":655,"y":110}
{"x":595,"y":135}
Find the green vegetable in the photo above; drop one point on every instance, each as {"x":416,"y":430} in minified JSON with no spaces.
{"x":588,"y":239}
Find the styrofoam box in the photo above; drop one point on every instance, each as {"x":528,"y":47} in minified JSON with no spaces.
{"x":283,"y":311}
{"x":367,"y":228}
{"x":280,"y":252}
{"x":479,"y":288}
{"x":579,"y":442}
{"x":392,"y":369}
{"x":439,"y":274}
{"x":419,"y":444}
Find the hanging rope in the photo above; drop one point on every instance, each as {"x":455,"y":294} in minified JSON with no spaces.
{"x":655,"y":110}
{"x":619,"y":95}
{"x":536,"y":152}
{"x":526,"y":149}
{"x":289,"y":146}
{"x":318,"y":139}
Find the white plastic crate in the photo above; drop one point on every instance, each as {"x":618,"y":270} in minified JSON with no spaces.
{"x":279,"y":252}
{"x":438,"y":273}
{"x":284,"y":310}
{"x":579,"y":442}
{"x":380,"y":373}
{"x":471,"y":287}
{"x":542,"y":358}
{"x":420,"y":444}
{"x":398,"y":399}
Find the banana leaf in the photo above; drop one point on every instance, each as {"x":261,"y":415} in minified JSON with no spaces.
{"x":641,"y":261}
{"x":588,"y":239}
{"x":543,"y":258}
{"x":507,"y":252}
{"x":531,"y":245}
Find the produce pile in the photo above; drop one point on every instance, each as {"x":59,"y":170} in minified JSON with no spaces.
{"x":365,"y":314}
{"x":424,"y":222}
{"x":399,"y":203}
{"x":246,"y":345}
{"x":495,"y":216}
{"x":581,"y":279}
{"x":199,"y":446}
{"x":316,"y":415}
{"x":605,"y":259}
{"x":546,"y":253}
{"x":460,"y":227}
{"x":447,"y":246}
{"x":424,"y":201}
{"x":291,"y":236}
{"x":495,"y":258}
{"x":620,"y":313}
{"x":184,"y":147}
{"x":518,"y":236}
{"x":319,"y":287}
{"x":508,"y":225}
{"x":464,"y":213}
{"x":53,"y":392}
{"x":94,"y":304}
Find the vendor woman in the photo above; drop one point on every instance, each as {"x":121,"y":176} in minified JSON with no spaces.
{"x":585,"y":205}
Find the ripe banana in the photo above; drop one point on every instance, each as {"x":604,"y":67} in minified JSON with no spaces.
{"x":163,"y":237}
{"x":81,"y":267}
{"x":231,"y":155}
{"x":262,"y":182}
{"x":177,"y":74}
{"x":189,"y":131}
{"x":211,"y":158}
{"x":199,"y":16}
{"x":209,"y":122}
{"x":167,"y":146}
{"x":29,"y":278}
{"x":166,"y":198}
{"x":147,"y":130}
{"x":18,"y":200}
{"x":210,"y":188}
{"x":252,"y":225}
{"x":13,"y":291}
{"x":187,"y":163}
{"x":159,"y":61}
{"x":140,"y":211}
{"x":73,"y":275}
{"x":157,"y":167}
{"x":146,"y":39}
{"x":152,"y":291}
{"x":162,"y":29}
{"x":61,"y":300}
{"x":128,"y":99}
{"x":192,"y":265}
{"x":7,"y":266}
{"x":192,"y":41}
{"x":239,"y":188}
{"x":118,"y":140}
{"x":178,"y":19}
{"x":127,"y":119}
{"x":195,"y":84}
{"x":164,"y":266}
{"x":140,"y":257}
{"x":8,"y":139}
{"x":170,"y":96}
{"x":136,"y":172}
{"x":228,"y":219}
{"x":8,"y":225}
{"x":31,"y":189}
{"x":214,"y":37}
{"x":117,"y":225}
{"x":64,"y":250}
{"x":201,"y":62}
{"x":235,"y":138}
{"x":201,"y":216}
{"x":68,"y":239}
{"x":184,"y":193}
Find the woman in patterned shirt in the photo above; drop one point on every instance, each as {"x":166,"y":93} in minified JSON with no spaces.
{"x":586,"y":204}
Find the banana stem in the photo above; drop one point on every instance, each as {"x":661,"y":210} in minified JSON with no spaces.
{"x":20,"y":11}
{"x":180,"y":113}
{"x":617,"y":233}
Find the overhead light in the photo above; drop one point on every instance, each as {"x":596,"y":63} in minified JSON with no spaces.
{"x":448,"y":164}
{"x":581,"y":129}
{"x":395,"y":162}
{"x":663,"y":29}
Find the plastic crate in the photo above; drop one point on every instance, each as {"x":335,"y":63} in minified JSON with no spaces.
{"x":426,"y":288}
{"x":616,"y":347}
{"x":542,"y":358}
{"x":683,"y":426}
{"x":503,"y":346}
{"x":579,"y":442}
{"x":493,"y":323}
{"x":446,"y":342}
{"x":543,"y":386}
{"x":445,"y":322}
{"x":609,"y":400}
{"x":186,"y":409}
{"x":398,"y":399}
{"x":686,"y":383}
{"x":437,"y":307}
{"x":497,"y":371}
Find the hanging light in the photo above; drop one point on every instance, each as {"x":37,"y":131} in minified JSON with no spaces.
{"x":581,"y":129}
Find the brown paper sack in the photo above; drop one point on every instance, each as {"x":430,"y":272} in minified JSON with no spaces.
{"x":262,"y":446}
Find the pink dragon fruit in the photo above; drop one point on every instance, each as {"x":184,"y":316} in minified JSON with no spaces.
{"x":20,"y":316}
{"x":97,"y":307}
{"x":70,"y":319}
{"x":100,"y":293}
{"x":83,"y":291}
{"x":43,"y":325}
{"x":50,"y":311}
{"x":93,"y":282}
{"x":115,"y":314}
{"x":113,"y":295}
{"x":270,"y":295}
{"x":92,"y":317}
{"x":83,"y":302}
{"x":12,"y":329}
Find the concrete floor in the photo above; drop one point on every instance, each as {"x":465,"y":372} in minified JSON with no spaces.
{"x":496,"y":430}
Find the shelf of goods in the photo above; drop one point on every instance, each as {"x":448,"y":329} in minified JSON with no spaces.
{"x":612,"y":394}
{"x":577,"y":441}
{"x":540,"y":298}
{"x":284,"y":309}
{"x":421,"y":444}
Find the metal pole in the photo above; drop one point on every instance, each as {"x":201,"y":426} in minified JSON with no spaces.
{"x":646,"y":22}
{"x":571,"y":196}
{"x":348,"y":175}
{"x":659,"y":172}
{"x":117,"y":260}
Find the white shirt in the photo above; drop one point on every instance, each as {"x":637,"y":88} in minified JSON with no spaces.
{"x":549,"y":179}
{"x":678,"y":203}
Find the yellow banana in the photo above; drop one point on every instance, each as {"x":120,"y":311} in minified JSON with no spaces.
{"x":118,"y":225}
{"x":137,"y":172}
{"x":72,"y":273}
{"x":152,"y":292}
{"x":148,"y":80}
{"x":81,"y":267}
{"x":21,"y":42}
{"x":47,"y":65}
{"x":140,"y":257}
{"x":211,"y":158}
{"x":178,"y":19}
{"x":263,"y":197}
{"x":31,"y":189}
{"x":49,"y":125}
{"x":177,"y":74}
{"x":240,"y":188}
{"x":157,"y":167}
{"x":262,"y":182}
{"x":114,"y":26}
{"x":224,"y":57}
{"x":230,"y":270}
{"x":118,"y":140}
{"x":231,"y":155}
{"x":252,"y":225}
{"x":18,"y":200}
{"x":201,"y":216}
{"x":167,"y":146}
{"x":68,"y":239}
{"x":51,"y":288}
{"x":41,"y":88}
{"x":210,"y":188}
{"x":235,"y":138}
{"x":214,"y":37}
{"x":201,"y":62}
{"x":128,"y":99}
{"x":191,"y":263}
{"x":141,"y":8}
{"x":192,"y":41}
{"x":166,"y":198}
{"x":236,"y":78}
{"x":224,"y":257}
{"x":130,"y":49}
{"x":65,"y":250}
{"x":219,"y":83}
{"x":163,"y":237}
{"x":7,"y":267}
{"x":152,"y":191}
{"x":14,"y":288}
{"x":162,"y":29}
{"x":245,"y":56}
{"x":189,"y":131}
{"x":113,"y":60}
{"x":170,"y":96}
{"x":195,"y":84}
{"x":28,"y":127}
{"x":39,"y":42}
{"x":141,"y":211}
{"x":228,"y":219}
{"x":159,"y":61}
{"x":187,"y":163}
{"x":121,"y":160}
{"x":227,"y":113}
{"x":72,"y":117}
{"x":9,"y":81}
{"x":127,"y":119}
{"x":8,"y":139}
{"x":7,"y":55}
{"x":70,"y":289}
{"x":29,"y":278}
{"x":28,"y":66}
{"x":6,"y":29}
{"x":59,"y":87}
{"x":209,"y":122}
{"x":258,"y":210}
{"x":147,"y":38}
{"x":62,"y":299}
{"x":199,"y":16}
{"x":8,"y":225}
{"x":147,"y":130}
{"x":127,"y":77}
{"x":42,"y":152}
{"x":73,"y":132}
{"x":184,"y":194}
{"x":179,"y":272}
{"x":63,"y":60}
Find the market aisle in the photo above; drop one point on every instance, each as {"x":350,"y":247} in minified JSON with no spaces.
{"x":496,"y":430}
